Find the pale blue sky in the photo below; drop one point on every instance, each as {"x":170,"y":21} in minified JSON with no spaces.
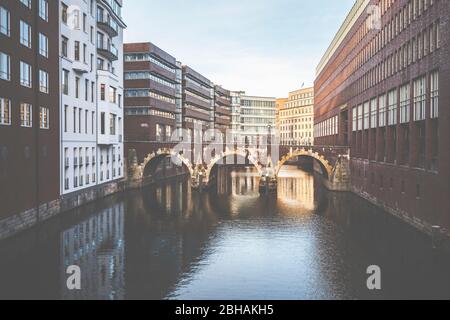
{"x":264,"y":47}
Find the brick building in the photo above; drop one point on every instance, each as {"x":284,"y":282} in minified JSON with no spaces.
{"x":381,"y":89}
{"x":29,"y":107}
{"x":152,"y":95}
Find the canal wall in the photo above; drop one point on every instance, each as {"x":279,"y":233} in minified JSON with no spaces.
{"x":439,"y":237}
{"x":16,"y":223}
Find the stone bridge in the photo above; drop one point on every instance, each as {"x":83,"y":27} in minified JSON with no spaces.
{"x":199,"y":160}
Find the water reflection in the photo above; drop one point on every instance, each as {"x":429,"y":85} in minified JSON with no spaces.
{"x":230,"y":243}
{"x":296,"y":188}
{"x":96,"y":245}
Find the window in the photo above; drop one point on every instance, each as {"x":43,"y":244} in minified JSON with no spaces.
{"x":74,"y":120}
{"x":44,"y":118}
{"x":26,"y":3}
{"x":360,"y":117}
{"x":77,"y":87}
{"x":43,"y":45}
{"x":4,"y":22}
{"x":25,"y":34}
{"x":168,"y":132}
{"x":434,"y":95}
{"x":382,"y":111}
{"x":112,"y":124}
{"x":76,"y":19}
{"x":5,"y":66}
{"x":26,"y":115}
{"x":64,"y":13}
{"x":65,"y":82}
{"x":5,"y":111}
{"x":366,"y":115}
{"x":86,"y":89}
{"x":64,"y":46}
{"x":77,"y":51}
{"x":158,"y":132}
{"x":25,"y":74}
{"x":419,"y":99}
{"x":405,"y":103}
{"x":43,"y":81}
{"x":392,"y":108}
{"x":43,"y":9}
{"x":66,"y":110}
{"x":373,"y":114}
{"x":102,"y":92}
{"x":112,"y":94}
{"x":102,"y":123}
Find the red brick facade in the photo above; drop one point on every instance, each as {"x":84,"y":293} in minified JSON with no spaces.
{"x":384,"y":93}
{"x":29,"y":152}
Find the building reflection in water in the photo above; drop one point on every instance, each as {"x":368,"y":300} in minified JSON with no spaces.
{"x":96,"y":245}
{"x":296,"y":188}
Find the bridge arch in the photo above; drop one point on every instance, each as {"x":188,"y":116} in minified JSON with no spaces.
{"x":306,"y":153}
{"x":245,"y":153}
{"x":155,"y":157}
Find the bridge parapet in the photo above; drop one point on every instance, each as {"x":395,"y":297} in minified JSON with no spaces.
{"x":195,"y":157}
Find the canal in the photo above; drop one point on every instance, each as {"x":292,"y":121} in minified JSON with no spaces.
{"x":168,"y":242}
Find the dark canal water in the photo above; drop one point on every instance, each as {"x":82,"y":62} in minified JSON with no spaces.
{"x":167,"y":242}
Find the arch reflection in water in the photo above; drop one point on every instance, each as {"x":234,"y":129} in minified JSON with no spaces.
{"x":231,"y":245}
{"x":96,"y":245}
{"x":296,"y":188}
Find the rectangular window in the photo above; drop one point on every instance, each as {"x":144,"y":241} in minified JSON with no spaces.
{"x":112,"y":94}
{"x":25,"y":74}
{"x":77,"y":51}
{"x":25,"y":34}
{"x":102,"y":92}
{"x":405,"y":101}
{"x":434,"y":95}
{"x":74,"y":120}
{"x":43,"y":9}
{"x":5,"y":111}
{"x":64,"y":13}
{"x":4,"y":22}
{"x":392,"y":108}
{"x":102,"y":123}
{"x":86,"y":89}
{"x":64,"y":46}
{"x":26,"y":3}
{"x":44,"y":118}
{"x":65,"y":82}
{"x":66,"y":110}
{"x":366,"y":115}
{"x":382,"y":111}
{"x":360,"y":117}
{"x":26,"y":110}
{"x":373,"y":113}
{"x":43,"y":45}
{"x":112,"y":124}
{"x":5,"y":66}
{"x":43,"y":81}
{"x":77,"y":87}
{"x":419,"y":99}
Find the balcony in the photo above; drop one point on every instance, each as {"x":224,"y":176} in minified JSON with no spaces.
{"x":80,"y":67}
{"x":109,"y":52}
{"x":108,"y":26}
{"x":223,"y":101}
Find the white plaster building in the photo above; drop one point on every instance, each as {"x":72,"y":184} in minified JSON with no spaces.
{"x":91,"y":54}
